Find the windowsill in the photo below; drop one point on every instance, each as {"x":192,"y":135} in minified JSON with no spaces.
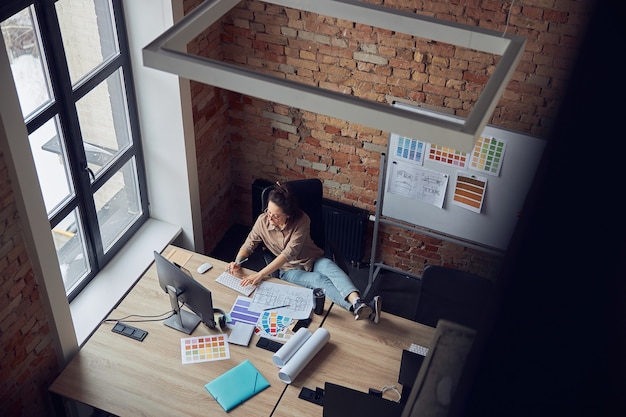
{"x":105,"y":291}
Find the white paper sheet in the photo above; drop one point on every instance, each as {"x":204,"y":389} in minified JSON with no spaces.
{"x":282,"y":356}
{"x":241,"y":333}
{"x":295,"y":302}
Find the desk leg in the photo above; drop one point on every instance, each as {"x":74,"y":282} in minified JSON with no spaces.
{"x":371,"y":280}
{"x":58,"y":404}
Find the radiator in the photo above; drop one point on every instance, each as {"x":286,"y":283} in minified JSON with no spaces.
{"x":346,"y":227}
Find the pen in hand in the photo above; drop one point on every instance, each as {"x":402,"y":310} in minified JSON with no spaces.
{"x":230,"y":269}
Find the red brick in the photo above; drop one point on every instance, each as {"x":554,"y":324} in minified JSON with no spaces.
{"x":529,"y":100}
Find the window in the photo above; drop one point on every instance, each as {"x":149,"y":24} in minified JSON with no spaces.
{"x":72,"y":72}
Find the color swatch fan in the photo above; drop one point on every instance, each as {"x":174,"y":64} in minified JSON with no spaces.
{"x":274,"y":325}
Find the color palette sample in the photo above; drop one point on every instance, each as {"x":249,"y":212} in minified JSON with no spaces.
{"x":469,"y":191}
{"x":410,"y":149}
{"x":204,"y":348}
{"x":487,"y":155}
{"x":274,"y":325}
{"x":447,"y":156}
{"x":240,"y":312}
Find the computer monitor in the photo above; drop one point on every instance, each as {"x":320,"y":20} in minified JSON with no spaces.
{"x":434,"y":389}
{"x":182,"y":288}
{"x":342,"y":401}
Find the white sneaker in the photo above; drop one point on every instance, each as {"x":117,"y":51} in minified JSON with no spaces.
{"x":376,"y":305}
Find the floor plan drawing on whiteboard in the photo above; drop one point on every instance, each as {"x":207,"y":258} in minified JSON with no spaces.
{"x":418,"y":183}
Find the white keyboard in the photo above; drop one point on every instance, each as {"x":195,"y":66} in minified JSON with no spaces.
{"x":421,"y":350}
{"x":234,"y":283}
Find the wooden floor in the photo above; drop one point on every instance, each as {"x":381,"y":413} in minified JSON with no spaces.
{"x":399,"y":293}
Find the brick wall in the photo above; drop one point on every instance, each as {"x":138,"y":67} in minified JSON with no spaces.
{"x":241,"y":138}
{"x":275,"y":142}
{"x":210,"y":117}
{"x":28,"y":363}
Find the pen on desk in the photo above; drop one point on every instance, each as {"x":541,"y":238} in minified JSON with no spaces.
{"x":275,"y":308}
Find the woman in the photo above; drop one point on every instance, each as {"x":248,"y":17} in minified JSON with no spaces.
{"x":285,"y":230}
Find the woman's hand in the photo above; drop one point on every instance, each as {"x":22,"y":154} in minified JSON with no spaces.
{"x":234,"y":268}
{"x":254,"y":279}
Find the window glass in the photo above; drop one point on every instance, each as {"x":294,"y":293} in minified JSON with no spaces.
{"x":51,"y":163}
{"x":28,"y":65}
{"x":81,"y":121}
{"x":103,"y":122}
{"x":117,"y":204}
{"x":69,"y":242}
{"x":88,"y":32}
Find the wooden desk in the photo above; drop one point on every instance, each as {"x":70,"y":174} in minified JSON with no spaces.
{"x":359,"y":355}
{"x":129,"y":378}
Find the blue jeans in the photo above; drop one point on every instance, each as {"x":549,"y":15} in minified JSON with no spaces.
{"x":327,"y":275}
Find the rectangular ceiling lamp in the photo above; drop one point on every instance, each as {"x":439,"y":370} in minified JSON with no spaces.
{"x":168,"y":53}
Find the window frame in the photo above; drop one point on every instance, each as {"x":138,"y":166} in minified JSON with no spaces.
{"x":63,"y":106}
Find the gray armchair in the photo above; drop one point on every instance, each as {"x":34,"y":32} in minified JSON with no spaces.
{"x":454,"y":295}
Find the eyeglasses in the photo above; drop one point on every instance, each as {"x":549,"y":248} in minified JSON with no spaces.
{"x":272,"y":216}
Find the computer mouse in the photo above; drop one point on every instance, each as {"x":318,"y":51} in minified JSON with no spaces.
{"x":204,"y":267}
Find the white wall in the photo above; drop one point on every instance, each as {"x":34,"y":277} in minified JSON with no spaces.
{"x":166,"y":124}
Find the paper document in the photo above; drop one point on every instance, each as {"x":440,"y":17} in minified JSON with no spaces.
{"x":241,"y":334}
{"x":291,"y":301}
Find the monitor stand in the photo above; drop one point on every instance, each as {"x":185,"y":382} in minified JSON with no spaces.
{"x":182,"y":320}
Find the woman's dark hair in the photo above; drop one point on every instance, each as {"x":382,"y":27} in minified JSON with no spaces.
{"x":287,"y":201}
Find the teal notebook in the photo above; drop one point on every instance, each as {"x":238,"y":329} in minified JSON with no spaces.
{"x":237,"y":385}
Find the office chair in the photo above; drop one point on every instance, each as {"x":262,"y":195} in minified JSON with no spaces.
{"x":435,"y":386}
{"x":453,"y":295}
{"x":309,"y":193}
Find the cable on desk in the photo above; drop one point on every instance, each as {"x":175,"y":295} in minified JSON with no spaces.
{"x":391,"y":388}
{"x":158,"y":317}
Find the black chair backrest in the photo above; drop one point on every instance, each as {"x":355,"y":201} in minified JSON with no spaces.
{"x":454,"y":295}
{"x":310,"y":193}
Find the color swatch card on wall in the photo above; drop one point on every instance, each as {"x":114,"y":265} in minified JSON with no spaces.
{"x":447,"y":156}
{"x":411,"y":149}
{"x":204,"y":348}
{"x":487,"y":155}
{"x":469,"y":191}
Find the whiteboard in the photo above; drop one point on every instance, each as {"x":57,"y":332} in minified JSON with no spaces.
{"x":504,"y":189}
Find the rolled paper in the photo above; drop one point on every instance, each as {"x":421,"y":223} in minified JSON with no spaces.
{"x":303,"y":356}
{"x":282,"y":356}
